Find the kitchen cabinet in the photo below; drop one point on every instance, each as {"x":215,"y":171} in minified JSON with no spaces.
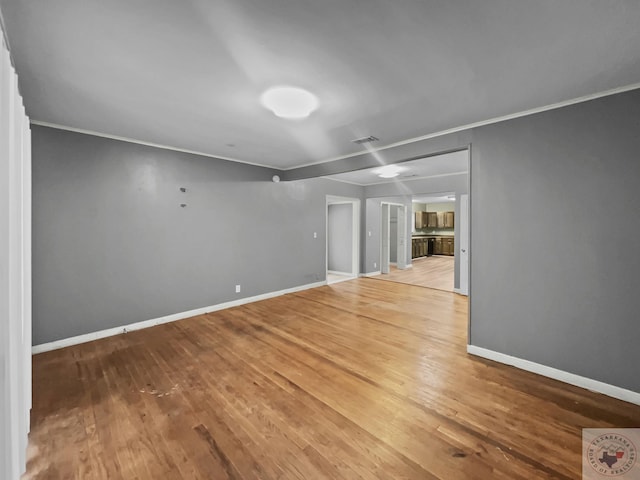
{"x":426,"y":246}
{"x":449,"y":219}
{"x":444,"y":246}
{"x":437,"y":246}
{"x":420,"y":220}
{"x":445,"y":219}
{"x":448,"y":246}
{"x":434,"y":219}
{"x":419,"y":247}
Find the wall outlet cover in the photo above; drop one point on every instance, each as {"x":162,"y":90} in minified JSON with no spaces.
{"x":237,"y":288}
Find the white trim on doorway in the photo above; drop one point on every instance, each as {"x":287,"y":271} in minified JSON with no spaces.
{"x":402,"y":238}
{"x":355,"y":233}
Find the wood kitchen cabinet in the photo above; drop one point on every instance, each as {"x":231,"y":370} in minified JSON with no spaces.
{"x":448,"y":246}
{"x":444,"y":246}
{"x":419,"y":247}
{"x":434,"y":219}
{"x":445,"y":219}
{"x":449,"y":219}
{"x":441,"y":246}
{"x":437,"y":246}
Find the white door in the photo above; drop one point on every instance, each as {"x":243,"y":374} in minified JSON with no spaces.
{"x":384,"y":260}
{"x":401,"y":258}
{"x":464,"y":244}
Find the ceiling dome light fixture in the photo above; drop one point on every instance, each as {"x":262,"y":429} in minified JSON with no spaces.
{"x":289,"y":102}
{"x":388,"y":171}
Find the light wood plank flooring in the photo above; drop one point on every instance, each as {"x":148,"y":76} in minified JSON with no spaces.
{"x":358,"y":380}
{"x":432,"y":272}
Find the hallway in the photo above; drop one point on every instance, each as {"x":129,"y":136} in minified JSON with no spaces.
{"x":431,"y":272}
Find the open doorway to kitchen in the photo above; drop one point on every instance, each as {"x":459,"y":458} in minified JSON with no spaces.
{"x":433,"y":240}
{"x":443,"y":174}
{"x":343,"y":238}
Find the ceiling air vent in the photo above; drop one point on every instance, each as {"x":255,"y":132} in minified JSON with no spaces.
{"x":368,"y":139}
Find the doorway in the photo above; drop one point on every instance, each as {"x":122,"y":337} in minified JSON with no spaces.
{"x":393,"y":240}
{"x":343,"y":238}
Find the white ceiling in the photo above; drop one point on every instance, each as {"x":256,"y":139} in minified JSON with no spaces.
{"x":436,"y":166}
{"x":188,"y":74}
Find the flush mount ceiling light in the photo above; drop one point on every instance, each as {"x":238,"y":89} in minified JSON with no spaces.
{"x":289,"y":102}
{"x":389,"y":171}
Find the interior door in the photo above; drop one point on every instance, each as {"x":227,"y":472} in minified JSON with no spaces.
{"x":464,"y":244}
{"x":384,"y":254}
{"x":401,"y":258}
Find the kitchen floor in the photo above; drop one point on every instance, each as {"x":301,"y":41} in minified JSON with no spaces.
{"x":431,"y":272}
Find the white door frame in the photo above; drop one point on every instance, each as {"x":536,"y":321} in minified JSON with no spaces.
{"x":355,"y":232}
{"x":463,"y":245}
{"x":385,"y":216}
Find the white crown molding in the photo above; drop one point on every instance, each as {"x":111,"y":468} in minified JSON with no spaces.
{"x":561,"y":375}
{"x":343,"y":181}
{"x":110,"y":332}
{"x":524,"y":113}
{"x":148,"y":144}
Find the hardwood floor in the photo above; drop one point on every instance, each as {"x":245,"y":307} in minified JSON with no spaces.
{"x":432,"y":272}
{"x":361,"y":379}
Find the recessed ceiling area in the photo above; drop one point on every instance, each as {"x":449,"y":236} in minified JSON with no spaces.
{"x":454,"y":163}
{"x":190,"y":74}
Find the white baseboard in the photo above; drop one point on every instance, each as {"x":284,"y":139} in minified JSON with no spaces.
{"x":336,"y":272}
{"x":459,"y":292}
{"x":371,"y":274}
{"x":566,"y":377}
{"x":339,"y":280}
{"x":88,"y":337}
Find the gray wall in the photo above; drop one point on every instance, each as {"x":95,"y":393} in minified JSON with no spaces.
{"x":340,"y":237}
{"x":112,"y":246}
{"x":554,"y":269}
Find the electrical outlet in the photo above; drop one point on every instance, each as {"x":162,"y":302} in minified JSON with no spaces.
{"x":369,"y":232}
{"x":375,"y":265}
{"x":237,"y":288}
{"x":315,"y":234}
